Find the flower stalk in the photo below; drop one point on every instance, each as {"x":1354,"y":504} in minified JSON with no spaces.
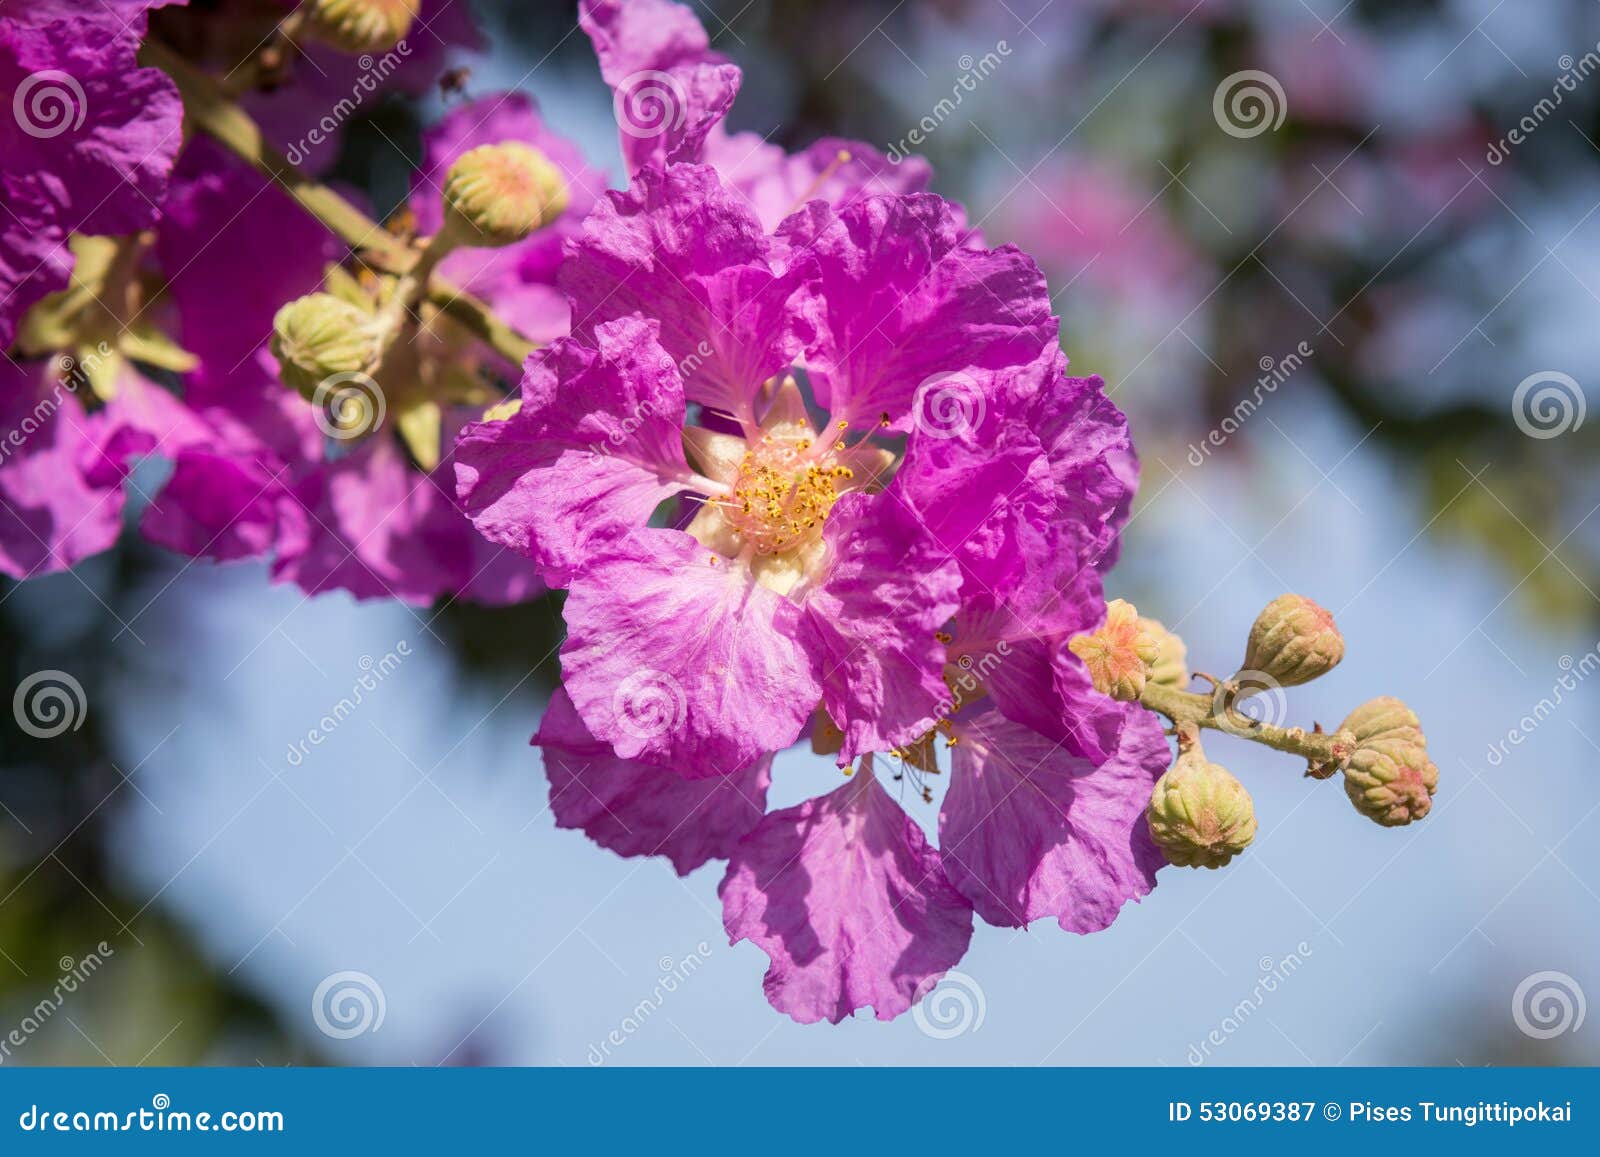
{"x":1216,"y":711}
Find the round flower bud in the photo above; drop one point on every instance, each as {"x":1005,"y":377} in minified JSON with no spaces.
{"x":1200,"y":816}
{"x":498,"y":194}
{"x":1293,"y":641}
{"x":1119,"y":654}
{"x":318,"y":336}
{"x":1389,"y":778}
{"x":1170,"y":668}
{"x":361,"y":25}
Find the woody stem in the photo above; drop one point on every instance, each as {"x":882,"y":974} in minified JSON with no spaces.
{"x":1193,"y":708}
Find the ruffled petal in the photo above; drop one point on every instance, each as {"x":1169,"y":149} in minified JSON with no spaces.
{"x":832,"y":170}
{"x":669,"y":88}
{"x":1030,"y":674}
{"x":1028,"y":482}
{"x":889,"y":588}
{"x":845,"y":896}
{"x":88,"y":147}
{"x":900,"y":301}
{"x":55,"y":509}
{"x":596,"y":446}
{"x":639,"y":809}
{"x":1029,"y":830}
{"x":678,"y":657}
{"x":681,"y":247}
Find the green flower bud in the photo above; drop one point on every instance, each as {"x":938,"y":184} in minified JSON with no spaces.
{"x":1200,"y":816}
{"x":318,"y":336}
{"x":1293,"y":641}
{"x":498,"y":194}
{"x":1170,"y":668}
{"x":1120,"y":653}
{"x":1389,"y":778}
{"x":361,"y":25}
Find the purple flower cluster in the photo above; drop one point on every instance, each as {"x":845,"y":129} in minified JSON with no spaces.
{"x":819,"y":475}
{"x":801,"y":450}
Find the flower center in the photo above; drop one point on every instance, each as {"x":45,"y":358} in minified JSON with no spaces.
{"x":782,"y":493}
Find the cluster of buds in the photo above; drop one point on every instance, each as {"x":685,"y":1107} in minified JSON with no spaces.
{"x":362,"y":329}
{"x":1199,"y":814}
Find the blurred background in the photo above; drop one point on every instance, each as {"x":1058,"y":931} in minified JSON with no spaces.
{"x":1352,"y":319}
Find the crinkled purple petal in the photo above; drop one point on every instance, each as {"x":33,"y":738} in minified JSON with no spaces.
{"x":888,"y":589}
{"x":669,"y":89}
{"x":1029,"y":830}
{"x":899,"y":302}
{"x":832,"y":170}
{"x":639,"y":809}
{"x":596,"y":446}
{"x":849,"y":901}
{"x":52,"y":514}
{"x":676,"y":656}
{"x":1026,"y":474}
{"x":683,"y":248}
{"x":89,"y":146}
